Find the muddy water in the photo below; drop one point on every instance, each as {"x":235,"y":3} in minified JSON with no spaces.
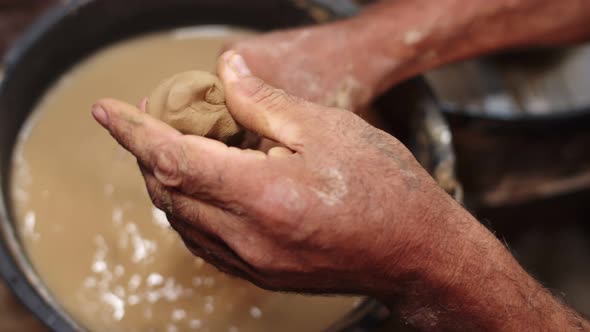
{"x":92,"y":234}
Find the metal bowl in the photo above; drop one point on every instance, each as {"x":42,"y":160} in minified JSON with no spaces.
{"x":68,"y":33}
{"x":537,"y":83}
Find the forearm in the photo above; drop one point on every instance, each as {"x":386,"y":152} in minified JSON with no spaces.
{"x":404,"y":38}
{"x":471,"y":282}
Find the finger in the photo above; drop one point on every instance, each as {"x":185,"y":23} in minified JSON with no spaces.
{"x":193,"y":164}
{"x":203,"y":232}
{"x":203,"y":216}
{"x":220,"y":264}
{"x":136,"y":131}
{"x":261,"y":108}
{"x":212,"y":250}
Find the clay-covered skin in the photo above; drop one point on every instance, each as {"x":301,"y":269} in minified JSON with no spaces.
{"x":193,"y":102}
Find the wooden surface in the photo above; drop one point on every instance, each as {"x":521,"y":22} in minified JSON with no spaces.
{"x":14,"y":317}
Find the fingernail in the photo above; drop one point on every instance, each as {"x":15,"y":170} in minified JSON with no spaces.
{"x":237,"y":65}
{"x":100,"y":115}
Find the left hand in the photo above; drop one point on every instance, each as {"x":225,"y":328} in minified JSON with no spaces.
{"x":326,"y":64}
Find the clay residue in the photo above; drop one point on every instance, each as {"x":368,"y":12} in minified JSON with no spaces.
{"x":345,"y":94}
{"x":332,"y":188}
{"x":413,"y":37}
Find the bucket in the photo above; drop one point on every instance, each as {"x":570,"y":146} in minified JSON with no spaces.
{"x":69,"y":33}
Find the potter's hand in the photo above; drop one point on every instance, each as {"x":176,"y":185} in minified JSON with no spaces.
{"x":344,"y":208}
{"x":322,"y":64}
{"x":330,"y":213}
{"x":348,"y":63}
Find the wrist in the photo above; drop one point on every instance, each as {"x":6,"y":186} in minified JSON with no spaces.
{"x":463,"y":278}
{"x":428,"y":244}
{"x":448,"y":270}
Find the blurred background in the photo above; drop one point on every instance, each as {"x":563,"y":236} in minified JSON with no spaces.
{"x":15,"y":17}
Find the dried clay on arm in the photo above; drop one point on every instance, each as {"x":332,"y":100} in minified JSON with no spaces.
{"x":193,"y":102}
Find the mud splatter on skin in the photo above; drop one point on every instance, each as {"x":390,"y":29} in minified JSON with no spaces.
{"x":333,"y":188}
{"x":133,"y":119}
{"x":413,"y":37}
{"x":344,"y":94}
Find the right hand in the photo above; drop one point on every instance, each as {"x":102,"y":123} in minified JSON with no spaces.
{"x":344,"y":208}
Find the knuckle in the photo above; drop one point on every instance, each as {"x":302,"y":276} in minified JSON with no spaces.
{"x":167,"y":162}
{"x":264,"y":259}
{"x":291,"y":229}
{"x":269,"y":97}
{"x":256,"y":257}
{"x":173,"y":205}
{"x":286,"y":219}
{"x":282,"y":210}
{"x":188,"y":209}
{"x":160,"y":197}
{"x":254,"y":86}
{"x":269,"y":260}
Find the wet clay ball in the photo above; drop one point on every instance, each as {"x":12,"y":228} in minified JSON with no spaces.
{"x":193,"y":102}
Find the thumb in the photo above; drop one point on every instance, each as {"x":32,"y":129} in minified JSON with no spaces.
{"x":259,"y":107}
